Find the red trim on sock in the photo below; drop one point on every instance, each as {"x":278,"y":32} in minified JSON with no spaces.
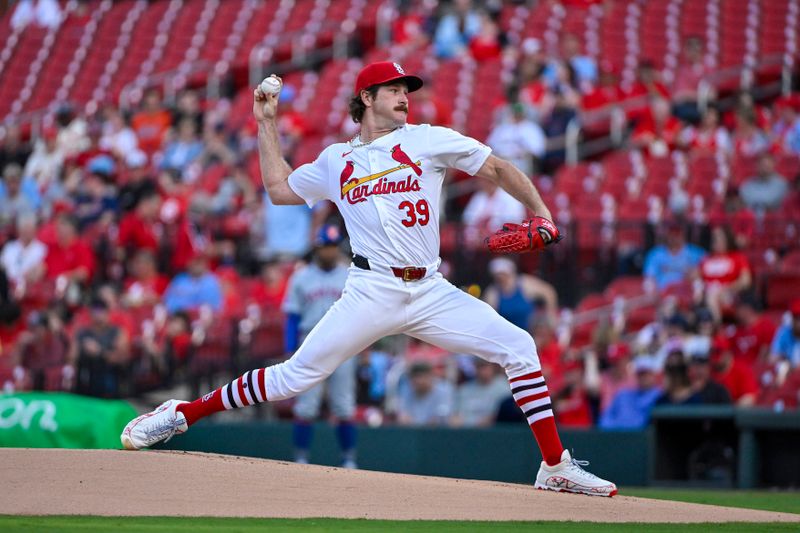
{"x":240,"y":386}
{"x":533,"y":397}
{"x":261,"y":376}
{"x":533,"y":375}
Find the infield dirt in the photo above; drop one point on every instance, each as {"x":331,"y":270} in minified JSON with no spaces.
{"x":120,"y":483}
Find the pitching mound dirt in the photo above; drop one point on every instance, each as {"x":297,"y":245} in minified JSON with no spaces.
{"x":119,"y":483}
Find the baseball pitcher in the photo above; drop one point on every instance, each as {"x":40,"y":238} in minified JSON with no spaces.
{"x":387,"y":182}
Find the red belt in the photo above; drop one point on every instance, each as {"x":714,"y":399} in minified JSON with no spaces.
{"x":409,"y":273}
{"x":404,"y":273}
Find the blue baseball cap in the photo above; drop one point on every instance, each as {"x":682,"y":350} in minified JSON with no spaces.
{"x":328,"y":235}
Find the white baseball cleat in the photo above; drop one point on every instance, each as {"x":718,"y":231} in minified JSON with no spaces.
{"x":569,"y":476}
{"x":160,"y":424}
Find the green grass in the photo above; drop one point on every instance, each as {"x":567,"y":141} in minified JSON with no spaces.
{"x":67,"y":524}
{"x":786,"y":502}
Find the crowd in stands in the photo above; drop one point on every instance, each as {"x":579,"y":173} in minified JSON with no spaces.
{"x":139,"y":250}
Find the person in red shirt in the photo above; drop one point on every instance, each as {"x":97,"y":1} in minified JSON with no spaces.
{"x":270,"y":292}
{"x":658,"y":131}
{"x":145,"y":286}
{"x":733,"y":374}
{"x":646,"y":87}
{"x":69,"y":255}
{"x":752,"y":337}
{"x":140,"y":228}
{"x":607,"y":91}
{"x":571,"y":403}
{"x":725,"y":271}
{"x":426,"y":108}
{"x":486,"y":44}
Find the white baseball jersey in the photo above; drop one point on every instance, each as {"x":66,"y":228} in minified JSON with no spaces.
{"x":388,"y":191}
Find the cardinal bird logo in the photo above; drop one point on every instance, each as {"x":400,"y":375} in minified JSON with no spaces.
{"x":347,"y":172}
{"x":401,"y":157}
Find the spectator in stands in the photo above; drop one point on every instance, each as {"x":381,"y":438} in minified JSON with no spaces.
{"x":140,"y":228}
{"x":100,"y":353}
{"x":23,"y":258}
{"x":658,"y":130}
{"x":427,"y":108}
{"x":424,"y":400}
{"x":606,"y":92}
{"x":646,"y":88}
{"x":287,"y":230}
{"x":42,"y":348}
{"x":195,"y":288}
{"x":519,"y":140}
{"x":677,"y":389}
{"x":10,"y":311}
{"x":725,"y":271}
{"x":488,"y":42}
{"x":705,"y":390}
{"x":145,"y":286}
{"x":676,"y":261}
{"x":45,"y":163}
{"x":584,"y":67}
{"x":139,"y":183}
{"x":489,"y":208}
{"x":709,"y":137}
{"x":785,"y":130}
{"x":216,"y":147}
{"x":753,"y":332}
{"x":767,"y":190}
{"x":630,"y":407}
{"x":737,"y":216}
{"x":410,"y":27}
{"x":749,"y":140}
{"x":69,"y":257}
{"x":618,"y":375}
{"x":12,"y":148}
{"x":118,"y":138}
{"x":73,"y":132}
{"x":477,"y":401}
{"x":15,"y":200}
{"x":188,"y":107}
{"x":271,"y":289}
{"x":456,"y":28}
{"x":519,"y":298}
{"x":185,"y":149}
{"x":734,"y":374}
{"x":571,"y":402}
{"x":96,"y":197}
{"x":151,"y":123}
{"x":786,"y":344}
{"x":690,"y":73}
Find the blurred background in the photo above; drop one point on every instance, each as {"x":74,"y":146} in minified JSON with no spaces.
{"x":141,"y":259}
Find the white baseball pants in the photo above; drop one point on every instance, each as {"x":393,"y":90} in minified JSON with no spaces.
{"x":374,"y":305}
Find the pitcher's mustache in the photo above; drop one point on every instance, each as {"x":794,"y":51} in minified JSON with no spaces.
{"x":401,"y":108}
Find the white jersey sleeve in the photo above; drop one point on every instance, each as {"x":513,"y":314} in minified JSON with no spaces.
{"x":450,"y":149}
{"x":311,"y":181}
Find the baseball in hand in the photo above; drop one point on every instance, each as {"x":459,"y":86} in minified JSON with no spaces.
{"x":271,"y":85}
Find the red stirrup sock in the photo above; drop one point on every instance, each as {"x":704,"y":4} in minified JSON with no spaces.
{"x":530,"y":393}
{"x":248,"y":389}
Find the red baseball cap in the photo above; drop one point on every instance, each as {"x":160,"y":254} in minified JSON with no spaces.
{"x":794,"y":307}
{"x":385,"y":72}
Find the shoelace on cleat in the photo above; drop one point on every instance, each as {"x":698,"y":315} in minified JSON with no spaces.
{"x":158,"y":431}
{"x":577,"y":464}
